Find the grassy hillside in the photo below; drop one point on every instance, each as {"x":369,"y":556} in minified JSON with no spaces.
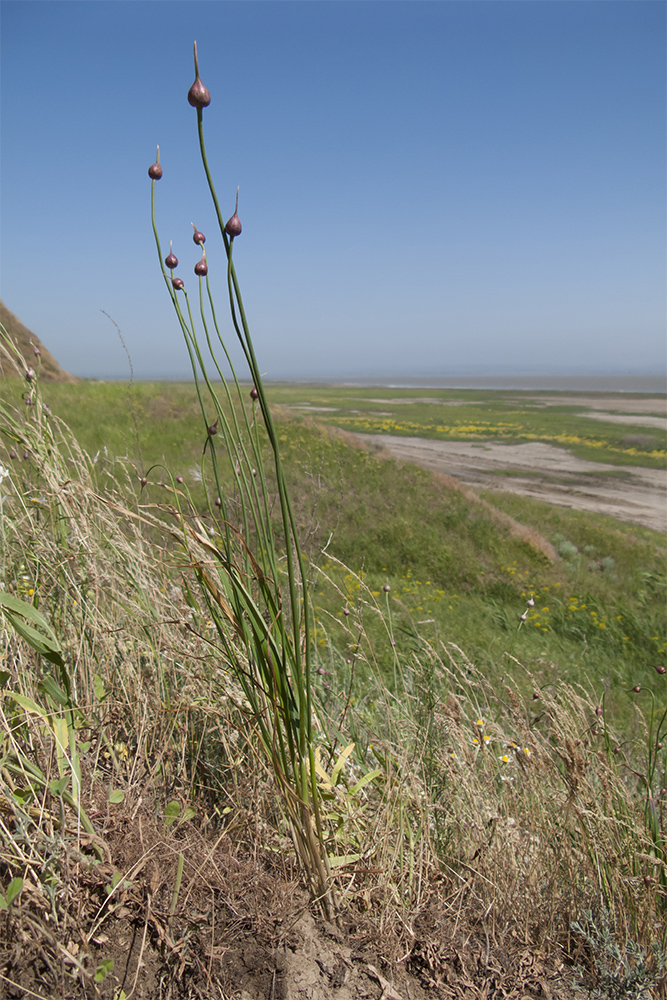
{"x":490,"y":789}
{"x":461,"y":569}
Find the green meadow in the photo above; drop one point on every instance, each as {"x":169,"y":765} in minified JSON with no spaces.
{"x":456,"y":573}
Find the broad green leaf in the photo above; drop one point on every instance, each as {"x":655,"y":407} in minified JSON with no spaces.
{"x":32,"y":626}
{"x":366,"y":778}
{"x":171,"y":813}
{"x":188,"y":813}
{"x":30,"y":706}
{"x":50,"y":686}
{"x":58,"y":787}
{"x":100,"y":690}
{"x":13,"y":889}
{"x":116,"y":796}
{"x":344,"y":754}
{"x":4,"y":677}
{"x":3,"y":902}
{"x":344,"y":859}
{"x":104,"y":969}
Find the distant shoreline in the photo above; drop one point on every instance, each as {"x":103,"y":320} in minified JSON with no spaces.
{"x":630,"y":384}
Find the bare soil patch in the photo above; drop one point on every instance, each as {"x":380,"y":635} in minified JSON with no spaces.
{"x":541,"y":471}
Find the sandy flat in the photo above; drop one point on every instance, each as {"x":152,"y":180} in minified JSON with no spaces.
{"x":542,"y":471}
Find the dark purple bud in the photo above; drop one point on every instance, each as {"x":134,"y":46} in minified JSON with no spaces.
{"x":346,"y":611}
{"x":218,"y":502}
{"x":233,"y":226}
{"x":201,"y":267}
{"x":198,"y":95}
{"x":26,"y":455}
{"x":254,"y":394}
{"x":617,"y":750}
{"x":386,"y":588}
{"x":197,"y":237}
{"x":143,"y":481}
{"x":321,"y":671}
{"x":648,"y":880}
{"x":171,"y":260}
{"x":637,"y":688}
{"x":535,"y":695}
{"x":659,"y":746}
{"x":155,"y":171}
{"x":599,"y":710}
{"x":12,"y":454}
{"x":660,"y":669}
{"x":179,"y":479}
{"x":213,"y":429}
{"x":30,"y":375}
{"x":178,"y":283}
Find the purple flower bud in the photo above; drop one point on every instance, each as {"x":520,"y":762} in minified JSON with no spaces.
{"x":386,"y":588}
{"x":637,"y":688}
{"x":155,"y":171}
{"x":178,"y":283}
{"x":30,"y":375}
{"x":599,"y":710}
{"x":659,"y":669}
{"x":201,"y":267}
{"x":659,"y":746}
{"x":179,"y":479}
{"x":171,"y":260}
{"x":198,"y":95}
{"x":213,"y":429}
{"x":143,"y":481}
{"x":233,"y":226}
{"x":37,"y":351}
{"x":197,"y":237}
{"x":218,"y":502}
{"x":535,"y":695}
{"x":12,"y":454}
{"x":254,"y":394}
{"x":346,"y":611}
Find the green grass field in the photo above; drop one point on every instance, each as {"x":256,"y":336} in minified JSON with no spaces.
{"x":455,"y":572}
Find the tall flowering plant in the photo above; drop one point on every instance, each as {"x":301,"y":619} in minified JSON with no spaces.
{"x":253,"y":582}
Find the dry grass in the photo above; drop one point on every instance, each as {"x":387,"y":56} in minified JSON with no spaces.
{"x":460,"y":867}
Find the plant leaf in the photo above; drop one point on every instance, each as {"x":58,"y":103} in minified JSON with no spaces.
{"x":13,"y":889}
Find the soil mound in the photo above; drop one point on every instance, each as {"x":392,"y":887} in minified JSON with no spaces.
{"x":26,"y":341}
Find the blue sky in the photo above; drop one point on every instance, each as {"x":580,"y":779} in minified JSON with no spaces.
{"x":426,"y":188}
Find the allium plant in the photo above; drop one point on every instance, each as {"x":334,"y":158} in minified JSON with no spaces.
{"x":254,"y":584}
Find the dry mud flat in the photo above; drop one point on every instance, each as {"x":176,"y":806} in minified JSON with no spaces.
{"x":542,"y":471}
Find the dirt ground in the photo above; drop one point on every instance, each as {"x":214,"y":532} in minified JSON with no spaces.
{"x":541,"y":471}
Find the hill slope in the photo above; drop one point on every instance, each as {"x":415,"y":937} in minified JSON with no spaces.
{"x":26,"y":340}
